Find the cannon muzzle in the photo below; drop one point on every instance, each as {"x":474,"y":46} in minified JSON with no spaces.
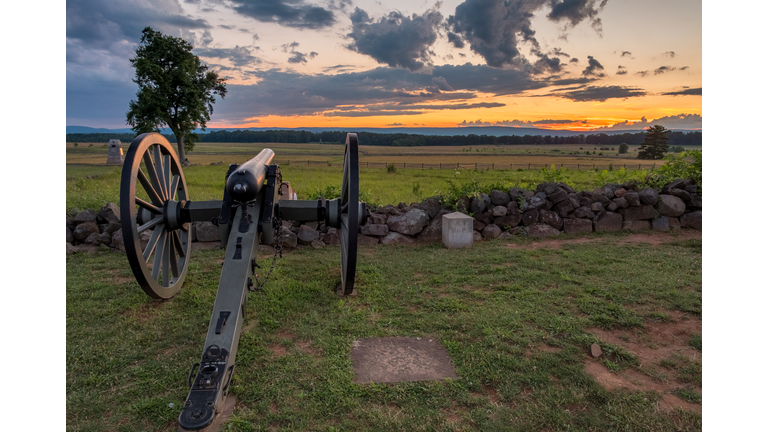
{"x":246,"y":182}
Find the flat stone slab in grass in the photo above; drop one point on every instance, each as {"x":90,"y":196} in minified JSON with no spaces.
{"x":398,"y":359}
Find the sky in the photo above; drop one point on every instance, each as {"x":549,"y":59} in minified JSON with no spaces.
{"x":553,"y":64}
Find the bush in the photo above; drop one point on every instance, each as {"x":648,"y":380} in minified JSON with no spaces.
{"x":687,"y":165}
{"x":391,"y":168}
{"x":623,"y":148}
{"x":75,"y":144}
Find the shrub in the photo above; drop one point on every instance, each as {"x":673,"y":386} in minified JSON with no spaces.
{"x":391,"y":168}
{"x":75,"y":144}
{"x":686,"y":165}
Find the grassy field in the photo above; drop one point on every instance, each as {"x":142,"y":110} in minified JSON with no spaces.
{"x":91,"y":185}
{"x":517,"y":322}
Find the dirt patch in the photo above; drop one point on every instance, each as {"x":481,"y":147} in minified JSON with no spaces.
{"x":306,"y":347}
{"x":655,"y":342}
{"x":278,"y":350}
{"x":114,"y":277}
{"x":652,"y":238}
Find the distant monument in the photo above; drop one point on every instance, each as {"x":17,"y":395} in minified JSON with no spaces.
{"x":115,"y":155}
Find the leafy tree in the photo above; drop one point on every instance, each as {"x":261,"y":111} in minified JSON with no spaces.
{"x":623,"y":148}
{"x":655,"y":144}
{"x":175,"y":89}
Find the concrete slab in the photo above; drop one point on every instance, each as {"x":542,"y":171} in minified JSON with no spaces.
{"x":398,"y":359}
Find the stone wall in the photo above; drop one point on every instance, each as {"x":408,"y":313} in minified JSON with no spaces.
{"x":551,"y":209}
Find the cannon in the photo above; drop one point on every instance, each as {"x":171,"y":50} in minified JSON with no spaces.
{"x":154,"y":198}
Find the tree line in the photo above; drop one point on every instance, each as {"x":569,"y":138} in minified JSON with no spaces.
{"x":406,"y":140}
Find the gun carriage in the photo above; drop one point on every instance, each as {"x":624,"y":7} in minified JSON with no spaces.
{"x":154,"y":198}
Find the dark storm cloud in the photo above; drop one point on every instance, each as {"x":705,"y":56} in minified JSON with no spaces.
{"x":576,"y":11}
{"x":395,"y":40}
{"x":662,"y":69}
{"x":686,"y":92}
{"x":601,"y":94}
{"x":594,"y":68}
{"x":455,"y":40}
{"x":495,"y":28}
{"x":288,"y":13}
{"x":291,"y":93}
{"x":239,"y":56}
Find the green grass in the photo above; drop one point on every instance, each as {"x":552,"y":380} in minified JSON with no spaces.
{"x":491,"y":306}
{"x":206,"y":182}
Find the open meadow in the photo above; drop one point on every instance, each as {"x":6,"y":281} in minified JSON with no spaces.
{"x":314,"y":169}
{"x":517,"y":318}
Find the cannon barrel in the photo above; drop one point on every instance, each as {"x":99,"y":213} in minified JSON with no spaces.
{"x":246,"y":182}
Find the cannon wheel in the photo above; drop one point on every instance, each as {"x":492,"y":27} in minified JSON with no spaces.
{"x":350,"y":193}
{"x":159,"y":267}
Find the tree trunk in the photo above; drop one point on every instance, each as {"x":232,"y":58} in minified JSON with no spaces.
{"x":182,"y":156}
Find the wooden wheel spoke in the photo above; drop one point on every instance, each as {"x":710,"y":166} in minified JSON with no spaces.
{"x":158,"y":263}
{"x":153,"y":196}
{"x":173,"y":261}
{"x":153,"y":176}
{"x":148,"y":206}
{"x":151,"y":224}
{"x":152,"y":242}
{"x":166,"y":260}
{"x":167,"y":175}
{"x":174,"y":187}
{"x":159,"y":170}
{"x":177,"y":241}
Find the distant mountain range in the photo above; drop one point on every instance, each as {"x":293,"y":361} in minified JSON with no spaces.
{"x":477,"y":130}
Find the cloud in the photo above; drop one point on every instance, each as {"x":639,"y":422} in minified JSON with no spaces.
{"x":239,"y":56}
{"x":684,"y":68}
{"x":395,"y":40}
{"x":573,"y":60}
{"x":442,"y":84}
{"x":622,"y":70}
{"x":679,"y":121}
{"x":395,"y":124}
{"x":496,"y":28}
{"x":559,"y":52}
{"x":226,"y":27}
{"x":288,"y":13}
{"x":601,"y":94}
{"x":686,"y":92}
{"x":594,"y":69}
{"x":205,"y":39}
{"x":670,"y":54}
{"x":513,"y":123}
{"x":642,"y":73}
{"x":551,"y":122}
{"x":663,"y":69}
{"x":626,"y":53}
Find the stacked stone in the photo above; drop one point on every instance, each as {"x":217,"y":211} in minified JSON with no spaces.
{"x":549,"y":210}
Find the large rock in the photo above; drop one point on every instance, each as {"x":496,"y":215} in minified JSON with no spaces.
{"x":287,"y":237}
{"x":484,"y":218}
{"x":476,"y":236}
{"x":681,"y":193}
{"x":491,"y":232}
{"x":691,"y":220}
{"x":679,"y":183}
{"x":564,"y":207}
{"x":110,"y":213}
{"x":84,"y":229}
{"x":621,"y":202}
{"x":516,"y":194}
{"x":117,"y":240}
{"x":478,"y":225}
{"x":478,"y":203}
{"x":499,"y":211}
{"x":85,"y":216}
{"x":507,"y":221}
{"x":633,"y":198}
{"x":619,"y":192}
{"x":661,"y":223}
{"x":612,"y":207}
{"x":534,"y":203}
{"x":207,"y":232}
{"x":558,"y":195}
{"x":431,"y":206}
{"x":462,"y":204}
{"x":695,"y":202}
{"x":307,"y":234}
{"x":551,"y":218}
{"x":317,"y":244}
{"x":649,"y":196}
{"x":670,"y":206}
{"x":530,"y":217}
{"x":368,"y":240}
{"x":499,"y":198}
{"x":412,"y":222}
{"x":434,"y":231}
{"x":331,"y":237}
{"x":71,"y":224}
{"x":638,"y":213}
{"x":584,"y":212}
{"x":70,"y":237}
{"x":608,"y":221}
{"x":636,"y":225}
{"x":573,"y":226}
{"x":598,"y":197}
{"x":374,"y":230}
{"x":541,"y":230}
{"x":575,"y":200}
{"x":397,"y":238}
{"x":597,"y":207}
{"x":376,"y":218}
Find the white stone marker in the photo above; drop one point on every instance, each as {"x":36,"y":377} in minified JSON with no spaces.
{"x":115,"y":155}
{"x":457,"y":230}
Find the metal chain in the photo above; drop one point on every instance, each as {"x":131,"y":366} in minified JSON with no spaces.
{"x":277,"y":222}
